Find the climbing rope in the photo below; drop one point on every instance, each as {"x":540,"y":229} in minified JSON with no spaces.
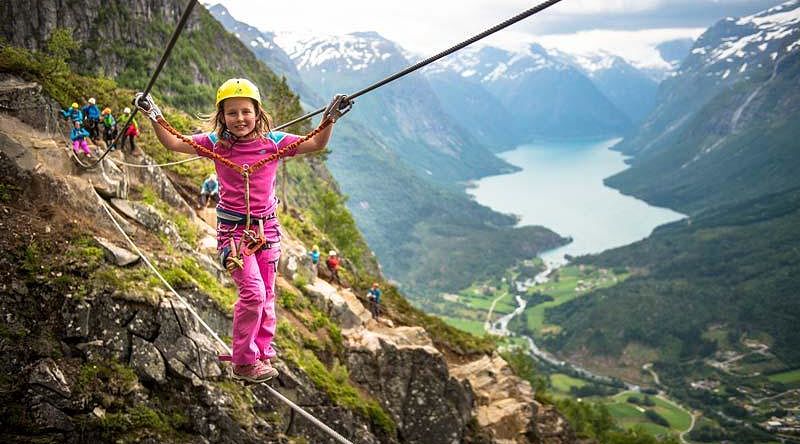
{"x":211,"y":331}
{"x":521,"y":16}
{"x":149,"y":165}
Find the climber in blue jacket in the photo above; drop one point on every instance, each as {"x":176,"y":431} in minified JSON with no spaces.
{"x":73,"y":113}
{"x":92,"y":116}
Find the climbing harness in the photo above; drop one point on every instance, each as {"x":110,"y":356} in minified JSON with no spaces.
{"x":211,"y":331}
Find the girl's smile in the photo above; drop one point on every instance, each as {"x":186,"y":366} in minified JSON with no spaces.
{"x":240,"y":116}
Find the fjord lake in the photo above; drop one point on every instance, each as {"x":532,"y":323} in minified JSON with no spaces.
{"x":560,"y":186}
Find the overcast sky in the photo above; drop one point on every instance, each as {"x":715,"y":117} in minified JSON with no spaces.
{"x":429,"y":26}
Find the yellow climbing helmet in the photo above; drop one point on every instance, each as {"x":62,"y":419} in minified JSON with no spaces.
{"x":75,"y":105}
{"x":237,"y":88}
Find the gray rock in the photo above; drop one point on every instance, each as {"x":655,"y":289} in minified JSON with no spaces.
{"x":151,"y":219}
{"x":76,"y":318}
{"x":144,"y":325}
{"x":410,"y":378}
{"x":147,"y":361}
{"x":49,"y":418}
{"x":47,"y":374}
{"x":188,"y":351}
{"x":119,"y":255}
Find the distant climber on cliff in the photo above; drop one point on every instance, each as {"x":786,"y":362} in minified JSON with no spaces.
{"x":109,"y":126}
{"x":374,"y":296}
{"x":73,"y":113}
{"x":78,"y":136}
{"x":209,"y":190}
{"x":333,"y":266}
{"x":130,"y":133}
{"x":245,"y":153}
{"x":314,"y":254}
{"x":91,"y":116}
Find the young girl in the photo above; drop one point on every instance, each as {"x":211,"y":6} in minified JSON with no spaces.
{"x":240,"y":138}
{"x":78,"y":136}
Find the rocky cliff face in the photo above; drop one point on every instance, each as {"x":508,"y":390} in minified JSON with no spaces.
{"x":94,"y":350}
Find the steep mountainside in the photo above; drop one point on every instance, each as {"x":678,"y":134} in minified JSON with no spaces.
{"x":124,"y":41}
{"x":728,"y":156}
{"x":725,"y":128}
{"x":263,"y":45}
{"x":628,"y":88}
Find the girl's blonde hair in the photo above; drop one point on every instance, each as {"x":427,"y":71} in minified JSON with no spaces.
{"x":217,"y":121}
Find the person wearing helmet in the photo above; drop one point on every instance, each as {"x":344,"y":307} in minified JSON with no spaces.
{"x":130,"y":133}
{"x":78,"y":136}
{"x":92,"y":118}
{"x":109,"y":126}
{"x":73,"y":113}
{"x":333,"y":266}
{"x":314,"y":254}
{"x":374,"y":296}
{"x":241,"y":135}
{"x":209,"y":189}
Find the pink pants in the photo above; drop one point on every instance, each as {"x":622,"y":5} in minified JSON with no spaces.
{"x":82,"y":144}
{"x":254,"y":317}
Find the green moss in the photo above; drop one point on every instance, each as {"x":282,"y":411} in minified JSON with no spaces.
{"x":242,"y":401}
{"x":225,"y":297}
{"x":85,"y":249}
{"x":335,"y":382}
{"x":289,"y":299}
{"x":8,"y":191}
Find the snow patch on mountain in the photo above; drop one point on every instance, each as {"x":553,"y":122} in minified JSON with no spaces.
{"x":355,"y":51}
{"x":488,"y":64}
{"x":750,"y":38}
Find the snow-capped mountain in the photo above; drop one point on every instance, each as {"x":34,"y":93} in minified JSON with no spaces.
{"x":405,"y":113}
{"x":748,"y":49}
{"x":734,"y":49}
{"x":542,"y":95}
{"x":729,"y":120}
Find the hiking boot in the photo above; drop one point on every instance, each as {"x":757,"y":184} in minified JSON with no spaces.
{"x":258,"y":372}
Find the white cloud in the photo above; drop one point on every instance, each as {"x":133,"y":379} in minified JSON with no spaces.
{"x":638,"y":47}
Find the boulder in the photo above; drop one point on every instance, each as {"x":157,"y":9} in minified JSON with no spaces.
{"x":147,"y":361}
{"x":340,"y":305}
{"x":403,"y":370}
{"x":118,"y":255}
{"x":188,"y":349}
{"x":47,"y":418}
{"x":150,"y":218}
{"x":505,"y":406}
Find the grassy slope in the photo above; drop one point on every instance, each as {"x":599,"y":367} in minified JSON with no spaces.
{"x":749,"y":285}
{"x":735,"y":263}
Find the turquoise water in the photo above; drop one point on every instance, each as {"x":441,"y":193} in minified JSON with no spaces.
{"x":561,"y":187}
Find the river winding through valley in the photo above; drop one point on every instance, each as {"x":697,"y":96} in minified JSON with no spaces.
{"x":560,"y":186}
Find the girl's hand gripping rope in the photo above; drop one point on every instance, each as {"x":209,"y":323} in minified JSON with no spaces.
{"x":147,"y":105}
{"x":338,"y":107}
